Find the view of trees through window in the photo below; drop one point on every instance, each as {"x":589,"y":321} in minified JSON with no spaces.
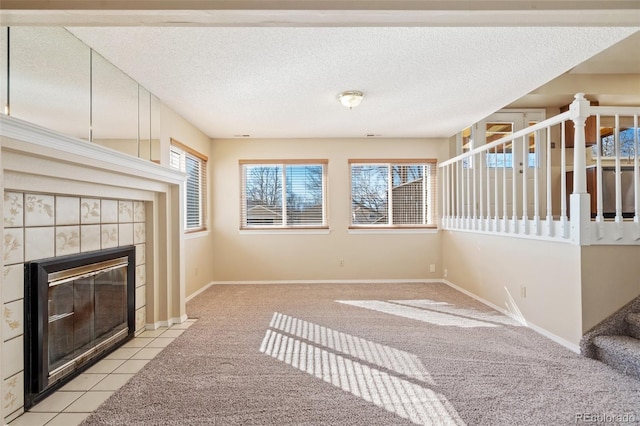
{"x":265,"y":203}
{"x":391,"y":194}
{"x":627,"y":143}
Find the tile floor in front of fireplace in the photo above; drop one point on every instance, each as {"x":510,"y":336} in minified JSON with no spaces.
{"x":70,"y":405}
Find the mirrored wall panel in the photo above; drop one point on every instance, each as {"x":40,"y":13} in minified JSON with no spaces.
{"x":114,"y":107}
{"x":49,"y":80}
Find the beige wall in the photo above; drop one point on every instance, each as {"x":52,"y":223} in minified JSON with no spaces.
{"x":496,"y":268}
{"x":198,"y":249}
{"x":610,"y":279}
{"x":298,"y":256}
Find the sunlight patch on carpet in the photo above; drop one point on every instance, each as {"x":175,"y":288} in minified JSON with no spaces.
{"x":401,"y":362}
{"x":447,"y":308}
{"x":329,"y":356}
{"x":430,"y":316}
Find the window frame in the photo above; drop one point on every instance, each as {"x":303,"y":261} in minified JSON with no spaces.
{"x":430,"y":180}
{"x":283,"y":164}
{"x":184,"y":151}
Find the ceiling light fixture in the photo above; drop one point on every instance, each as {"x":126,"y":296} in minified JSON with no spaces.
{"x":350,"y":98}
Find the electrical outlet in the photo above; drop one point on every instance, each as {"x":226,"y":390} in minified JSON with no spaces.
{"x":446,"y":273}
{"x":432,"y":268}
{"x":341,"y":262}
{"x":523,"y":292}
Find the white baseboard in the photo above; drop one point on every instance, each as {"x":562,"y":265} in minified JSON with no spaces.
{"x":265,"y":282}
{"x":546,"y":333}
{"x":199,"y":291}
{"x":383,"y":281}
{"x":167,"y":323}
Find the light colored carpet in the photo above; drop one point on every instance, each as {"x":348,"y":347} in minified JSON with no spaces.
{"x":363,"y":355}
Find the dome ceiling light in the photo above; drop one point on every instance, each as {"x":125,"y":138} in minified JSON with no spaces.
{"x":350,"y":98}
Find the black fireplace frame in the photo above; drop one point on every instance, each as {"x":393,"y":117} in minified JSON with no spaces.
{"x":36,"y":287}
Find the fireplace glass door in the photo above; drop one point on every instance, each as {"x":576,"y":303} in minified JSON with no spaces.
{"x":86,"y":310}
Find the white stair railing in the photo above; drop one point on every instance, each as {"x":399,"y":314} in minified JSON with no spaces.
{"x":549,"y":196}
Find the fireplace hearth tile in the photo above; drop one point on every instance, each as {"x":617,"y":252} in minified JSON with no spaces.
{"x":83,"y":382}
{"x":88,"y":402}
{"x":172,"y":332}
{"x":147,"y":353}
{"x":161,"y":342}
{"x":112,"y":382}
{"x":68,"y":419}
{"x":122,"y":353}
{"x":138,"y":342}
{"x":33,"y":419}
{"x":56,"y":403}
{"x":131,"y":366}
{"x":105,"y":366}
{"x":153,"y":333}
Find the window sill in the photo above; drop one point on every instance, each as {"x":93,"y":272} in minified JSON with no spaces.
{"x":285,"y":231}
{"x":189,"y":235}
{"x":390,"y":230}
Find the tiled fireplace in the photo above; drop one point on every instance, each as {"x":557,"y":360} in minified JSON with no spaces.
{"x":50,"y":226}
{"x":66,"y":197}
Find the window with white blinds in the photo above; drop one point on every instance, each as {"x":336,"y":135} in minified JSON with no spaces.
{"x":283,"y":194}
{"x":194,"y":165}
{"x":398,"y":193}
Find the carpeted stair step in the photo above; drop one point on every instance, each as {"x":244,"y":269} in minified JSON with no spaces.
{"x":633,"y":321}
{"x":620,"y":352}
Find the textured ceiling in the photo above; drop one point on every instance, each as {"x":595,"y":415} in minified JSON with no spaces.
{"x":282,"y":82}
{"x":428,"y":67}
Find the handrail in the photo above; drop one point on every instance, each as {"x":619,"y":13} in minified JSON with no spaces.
{"x":556,"y":119}
{"x":500,"y":197}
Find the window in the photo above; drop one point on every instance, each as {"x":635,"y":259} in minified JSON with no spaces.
{"x":626,"y":138}
{"x":502,"y":156}
{"x":398,"y":193}
{"x":285,"y":194}
{"x":194,"y":164}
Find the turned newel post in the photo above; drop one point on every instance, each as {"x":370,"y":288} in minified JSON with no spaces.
{"x":580,"y":199}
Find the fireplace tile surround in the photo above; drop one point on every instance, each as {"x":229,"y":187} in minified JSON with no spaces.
{"x":62,"y":195}
{"x":39,"y":226}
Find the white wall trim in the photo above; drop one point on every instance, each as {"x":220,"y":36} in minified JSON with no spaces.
{"x":382,"y":281}
{"x":197,"y":292}
{"x":92,"y":153}
{"x":265,"y":282}
{"x":572,"y":347}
